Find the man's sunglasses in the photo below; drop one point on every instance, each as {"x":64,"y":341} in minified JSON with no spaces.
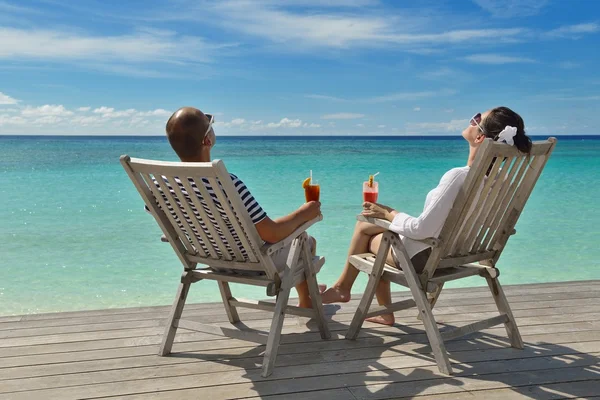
{"x":211,"y":120}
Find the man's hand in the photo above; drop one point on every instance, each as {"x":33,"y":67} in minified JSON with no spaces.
{"x":310,"y":210}
{"x":376,"y":210}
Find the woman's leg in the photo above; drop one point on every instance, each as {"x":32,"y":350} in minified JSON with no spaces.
{"x":340,"y":291}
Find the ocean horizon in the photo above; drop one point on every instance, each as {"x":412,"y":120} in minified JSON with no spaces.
{"x":74,"y":234}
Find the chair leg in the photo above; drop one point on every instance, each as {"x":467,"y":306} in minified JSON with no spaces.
{"x":424,"y":307}
{"x":367,"y":298}
{"x":279,"y":312}
{"x":432,"y":299}
{"x":512,"y":329}
{"x":226,"y":296}
{"x":313,"y":290}
{"x":174,"y":315}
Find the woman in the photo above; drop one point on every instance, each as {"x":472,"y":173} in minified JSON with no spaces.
{"x":500,"y":124}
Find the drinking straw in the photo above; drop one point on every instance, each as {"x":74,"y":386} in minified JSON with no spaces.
{"x":375,"y":175}
{"x":311,"y":176}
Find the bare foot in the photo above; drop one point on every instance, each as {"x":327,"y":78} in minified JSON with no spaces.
{"x":322,"y":288}
{"x":335,"y":295}
{"x":385,"y":319}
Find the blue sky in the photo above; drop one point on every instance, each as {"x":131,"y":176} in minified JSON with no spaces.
{"x":297,"y":67}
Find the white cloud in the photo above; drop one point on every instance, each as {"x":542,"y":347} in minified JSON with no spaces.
{"x":5,"y":99}
{"x":285,"y":123}
{"x":46,"y":110}
{"x":84,"y":109}
{"x":343,"y":115}
{"x":512,"y":8}
{"x":574,"y":31}
{"x":103,"y":110}
{"x":417,"y":109}
{"x":454,"y":125}
{"x":238,"y":121}
{"x":11,"y":120}
{"x":569,"y":65}
{"x":139,"y":47}
{"x":497,"y":59}
{"x":47,"y":120}
{"x":325,"y":97}
{"x":159,"y":112}
{"x":297,"y":29}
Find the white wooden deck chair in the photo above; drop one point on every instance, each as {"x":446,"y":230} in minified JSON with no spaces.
{"x":223,"y":238}
{"x":472,"y":239}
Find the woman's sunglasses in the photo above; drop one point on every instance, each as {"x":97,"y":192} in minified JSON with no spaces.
{"x":476,"y":121}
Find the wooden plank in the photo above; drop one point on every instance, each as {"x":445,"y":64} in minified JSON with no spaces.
{"x":474,"y":327}
{"x":552,"y":316}
{"x":500,"y":361}
{"x":296,"y":354}
{"x":380,"y":336}
{"x":533,"y":288}
{"x":391,"y":308}
{"x":553,"y":391}
{"x":390,"y":380}
{"x":268,"y":306}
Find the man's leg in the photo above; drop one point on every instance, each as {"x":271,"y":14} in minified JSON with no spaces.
{"x":340,"y":291}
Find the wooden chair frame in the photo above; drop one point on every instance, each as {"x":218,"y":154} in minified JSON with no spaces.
{"x":471,"y":241}
{"x":150,"y":179}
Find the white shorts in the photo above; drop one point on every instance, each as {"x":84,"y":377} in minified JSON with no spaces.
{"x":280,"y":256}
{"x":279,"y":259}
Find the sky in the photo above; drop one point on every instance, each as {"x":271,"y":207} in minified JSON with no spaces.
{"x":297,"y":67}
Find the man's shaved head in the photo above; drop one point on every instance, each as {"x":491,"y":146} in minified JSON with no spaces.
{"x":186,"y":130}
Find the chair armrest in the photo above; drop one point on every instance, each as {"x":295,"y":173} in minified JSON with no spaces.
{"x":270,"y":248}
{"x":384,"y":223}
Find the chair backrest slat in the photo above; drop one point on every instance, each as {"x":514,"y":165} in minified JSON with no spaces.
{"x":232,"y":220}
{"x":204,"y":217}
{"x":483,"y":208}
{"x":494,"y":202}
{"x":505,"y":204}
{"x":509,"y":221}
{"x":242,"y":217}
{"x":160,"y":196}
{"x":488,"y":205}
{"x":233,"y":216}
{"x":473,"y":204}
{"x":214,"y":212}
{"x":182,"y":200}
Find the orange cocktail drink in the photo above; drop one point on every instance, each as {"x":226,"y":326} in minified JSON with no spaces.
{"x":312,"y":190}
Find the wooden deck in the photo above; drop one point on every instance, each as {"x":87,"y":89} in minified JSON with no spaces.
{"x":112,"y":353}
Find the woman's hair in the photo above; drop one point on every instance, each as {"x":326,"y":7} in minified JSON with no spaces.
{"x":498,"y":119}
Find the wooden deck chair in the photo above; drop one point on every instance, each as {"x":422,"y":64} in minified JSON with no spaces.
{"x":222,"y":237}
{"x":471,"y":241}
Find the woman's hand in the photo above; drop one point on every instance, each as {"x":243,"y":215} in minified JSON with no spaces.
{"x":376,"y":210}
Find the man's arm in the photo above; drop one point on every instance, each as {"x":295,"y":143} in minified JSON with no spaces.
{"x":273,"y":231}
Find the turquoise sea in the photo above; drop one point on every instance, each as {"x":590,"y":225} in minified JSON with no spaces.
{"x":73,"y":233}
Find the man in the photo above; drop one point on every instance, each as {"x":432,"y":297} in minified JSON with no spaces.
{"x":192,"y":137}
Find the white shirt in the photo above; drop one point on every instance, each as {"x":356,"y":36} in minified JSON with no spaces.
{"x":438,"y":204}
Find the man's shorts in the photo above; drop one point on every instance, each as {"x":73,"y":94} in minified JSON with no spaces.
{"x":279,"y":259}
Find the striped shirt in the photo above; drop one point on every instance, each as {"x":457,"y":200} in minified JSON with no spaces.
{"x":254,"y":209}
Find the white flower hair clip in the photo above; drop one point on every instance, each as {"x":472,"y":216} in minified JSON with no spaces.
{"x":507,"y":135}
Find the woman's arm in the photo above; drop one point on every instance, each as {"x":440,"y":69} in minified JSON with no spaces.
{"x":376,"y":210}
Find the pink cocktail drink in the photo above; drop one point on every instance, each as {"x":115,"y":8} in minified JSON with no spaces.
{"x":370,"y":192}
